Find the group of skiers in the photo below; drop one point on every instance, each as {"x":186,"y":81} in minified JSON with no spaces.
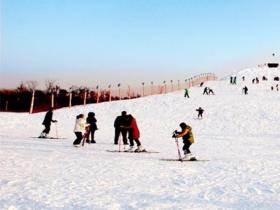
{"x":124,"y":124}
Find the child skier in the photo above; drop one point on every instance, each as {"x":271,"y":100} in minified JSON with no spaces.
{"x":91,"y":120}
{"x":200,"y":112}
{"x":188,"y":140}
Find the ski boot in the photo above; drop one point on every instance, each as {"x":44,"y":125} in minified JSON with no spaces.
{"x":130,"y":149}
{"x":189,"y":157}
{"x":140,"y":149}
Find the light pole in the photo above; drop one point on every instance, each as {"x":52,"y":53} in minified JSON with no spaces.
{"x":109,"y":92}
{"x":97,"y":97}
{"x":119,"y":85}
{"x":143,"y":90}
{"x":152,"y":87}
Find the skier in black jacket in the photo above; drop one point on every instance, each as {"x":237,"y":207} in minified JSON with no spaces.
{"x":47,"y":123}
{"x":91,"y":120}
{"x":121,"y":123}
{"x":200,"y":112}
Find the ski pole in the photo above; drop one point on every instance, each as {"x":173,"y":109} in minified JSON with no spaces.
{"x":56,"y":130}
{"x":119,"y":144}
{"x":177,"y":144}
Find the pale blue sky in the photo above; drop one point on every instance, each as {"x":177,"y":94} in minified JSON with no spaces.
{"x":109,"y":41}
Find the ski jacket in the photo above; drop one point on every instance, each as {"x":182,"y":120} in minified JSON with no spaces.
{"x":48,"y":118}
{"x":92,"y":123}
{"x":80,"y":125}
{"x":121,"y":121}
{"x":135,"y":130}
{"x":186,"y":134}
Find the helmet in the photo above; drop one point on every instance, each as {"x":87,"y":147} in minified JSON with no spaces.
{"x":183,"y":125}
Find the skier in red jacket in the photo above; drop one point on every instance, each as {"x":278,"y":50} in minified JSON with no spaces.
{"x":134,"y":135}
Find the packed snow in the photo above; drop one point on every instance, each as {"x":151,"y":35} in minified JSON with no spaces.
{"x":239,"y":135}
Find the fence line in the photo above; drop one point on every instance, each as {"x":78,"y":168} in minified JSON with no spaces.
{"x":165,"y":87}
{"x":85,"y":96}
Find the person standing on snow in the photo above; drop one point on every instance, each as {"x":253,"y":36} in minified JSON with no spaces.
{"x":47,"y":123}
{"x":91,"y":120}
{"x":134,"y":135}
{"x":245,"y":90}
{"x":200,"y":112}
{"x":186,"y":93}
{"x":188,"y":140}
{"x":80,"y":129}
{"x":120,"y":124}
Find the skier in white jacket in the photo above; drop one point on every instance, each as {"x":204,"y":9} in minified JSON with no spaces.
{"x":80,"y":128}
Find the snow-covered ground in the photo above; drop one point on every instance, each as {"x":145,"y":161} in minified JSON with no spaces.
{"x":239,"y":135}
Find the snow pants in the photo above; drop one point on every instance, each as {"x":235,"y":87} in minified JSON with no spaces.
{"x":186,"y":147}
{"x":47,"y":128}
{"x":117,"y":134}
{"x":131,"y":139}
{"x":79,"y":138}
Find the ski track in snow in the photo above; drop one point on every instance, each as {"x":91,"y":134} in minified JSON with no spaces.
{"x":238,"y":134}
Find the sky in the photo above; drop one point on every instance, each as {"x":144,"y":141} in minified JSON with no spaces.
{"x":90,"y":42}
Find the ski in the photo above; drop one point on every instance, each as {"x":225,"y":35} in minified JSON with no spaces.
{"x":126,"y":151}
{"x":47,"y":137}
{"x":182,"y":160}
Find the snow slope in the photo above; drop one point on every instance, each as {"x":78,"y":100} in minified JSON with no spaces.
{"x":239,"y":135}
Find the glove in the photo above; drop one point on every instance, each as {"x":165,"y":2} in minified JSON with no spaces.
{"x":174,"y":135}
{"x":55,"y":121}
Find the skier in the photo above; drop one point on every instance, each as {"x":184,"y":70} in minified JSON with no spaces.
{"x":188,"y":140}
{"x":47,"y":123}
{"x":80,"y":129}
{"x":186,"y":93}
{"x":245,"y":90}
{"x":200,"y":112}
{"x":91,"y":120}
{"x":210,"y":91}
{"x":134,"y":135}
{"x":205,"y":91}
{"x":120,"y":124}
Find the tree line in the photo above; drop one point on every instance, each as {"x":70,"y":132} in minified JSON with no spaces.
{"x":28,"y":98}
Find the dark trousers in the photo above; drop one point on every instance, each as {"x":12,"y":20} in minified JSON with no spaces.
{"x":186,"y":147}
{"x":117,"y":134}
{"x":91,"y":134}
{"x":79,"y":138}
{"x":131,"y":139}
{"x":47,"y":128}
{"x":199,"y":115}
{"x":138,"y":143}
